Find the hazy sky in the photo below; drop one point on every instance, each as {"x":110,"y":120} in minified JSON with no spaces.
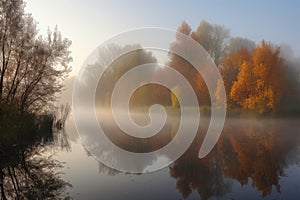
{"x":90,"y":22}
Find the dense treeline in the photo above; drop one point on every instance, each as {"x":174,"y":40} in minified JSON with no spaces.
{"x":258,"y":77}
{"x":117,"y":68}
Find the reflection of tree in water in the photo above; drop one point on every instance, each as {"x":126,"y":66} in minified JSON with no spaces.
{"x":198,"y":175}
{"x":245,"y":151}
{"x":103,"y":169}
{"x":25,"y":171}
{"x":257,"y":152}
{"x":133,"y":144}
{"x":61,"y":140}
{"x":253,"y":153}
{"x":204,"y":175}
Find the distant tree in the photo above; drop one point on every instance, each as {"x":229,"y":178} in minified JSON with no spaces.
{"x":32,"y":67}
{"x":237,"y":43}
{"x":161,"y":94}
{"x":114,"y":68}
{"x":184,"y":28}
{"x":261,"y":80}
{"x":203,"y":35}
{"x":291,"y":99}
{"x":185,"y":68}
{"x":213,"y":38}
{"x":220,"y":37}
{"x":142,"y":96}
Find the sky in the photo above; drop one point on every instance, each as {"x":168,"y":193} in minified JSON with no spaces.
{"x":89,"y":23}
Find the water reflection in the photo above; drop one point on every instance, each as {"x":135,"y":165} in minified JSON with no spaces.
{"x":257,"y":153}
{"x":27,"y":170}
{"x":250,"y":153}
{"x":61,"y":140}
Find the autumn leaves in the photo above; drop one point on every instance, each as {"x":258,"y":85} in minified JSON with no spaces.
{"x":255,"y":79}
{"x":254,"y":76}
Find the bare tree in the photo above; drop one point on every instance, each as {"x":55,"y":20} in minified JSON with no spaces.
{"x":203,"y":35}
{"x":213,"y":38}
{"x":220,"y":36}
{"x":237,"y":43}
{"x":114,"y":67}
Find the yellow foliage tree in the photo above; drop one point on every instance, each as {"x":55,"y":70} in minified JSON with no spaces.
{"x":174,"y":100}
{"x":260,"y":82}
{"x":229,"y":70}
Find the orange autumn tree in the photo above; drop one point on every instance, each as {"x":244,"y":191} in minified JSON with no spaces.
{"x":260,"y":82}
{"x":229,"y":70}
{"x":185,"y":68}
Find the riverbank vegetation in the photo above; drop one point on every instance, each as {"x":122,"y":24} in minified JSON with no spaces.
{"x":259,"y":78}
{"x":32,"y":69}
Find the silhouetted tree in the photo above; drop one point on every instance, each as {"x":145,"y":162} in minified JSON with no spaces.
{"x":32,"y":67}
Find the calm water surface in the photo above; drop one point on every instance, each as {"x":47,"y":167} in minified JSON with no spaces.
{"x":254,"y":159}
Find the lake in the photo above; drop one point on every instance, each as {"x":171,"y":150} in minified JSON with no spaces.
{"x":253,"y":159}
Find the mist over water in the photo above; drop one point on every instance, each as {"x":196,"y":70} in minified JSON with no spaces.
{"x":184,"y":110}
{"x":248,"y":151}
